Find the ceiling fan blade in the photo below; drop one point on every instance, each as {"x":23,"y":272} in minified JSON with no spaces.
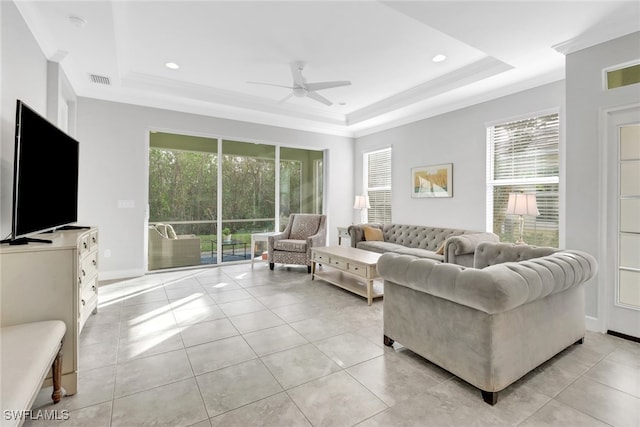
{"x":319,"y":98}
{"x":326,"y":85}
{"x":270,"y":84}
{"x":296,"y":72}
{"x":285,"y":99}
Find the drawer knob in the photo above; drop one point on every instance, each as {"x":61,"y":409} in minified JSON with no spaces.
{"x":94,"y":262}
{"x":83,"y":303}
{"x":93,"y":288}
{"x":83,"y":272}
{"x":84,"y":244}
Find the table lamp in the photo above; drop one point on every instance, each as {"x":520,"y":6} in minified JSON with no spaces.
{"x":522,"y":204}
{"x":362,"y":203}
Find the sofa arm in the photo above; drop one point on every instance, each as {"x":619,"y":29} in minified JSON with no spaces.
{"x":356,"y":231}
{"x":494,"y":289}
{"x":465,"y":244}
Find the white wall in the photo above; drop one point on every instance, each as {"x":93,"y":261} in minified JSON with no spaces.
{"x":114,"y":154}
{"x":586,"y":99}
{"x":23,"y":75}
{"x":458,"y":137}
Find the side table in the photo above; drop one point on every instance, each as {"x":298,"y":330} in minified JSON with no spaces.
{"x":258,"y":237}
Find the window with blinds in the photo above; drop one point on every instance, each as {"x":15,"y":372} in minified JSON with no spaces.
{"x":523,"y":157}
{"x":378,"y":185}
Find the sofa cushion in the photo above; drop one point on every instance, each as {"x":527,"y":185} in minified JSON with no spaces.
{"x":488,"y":253}
{"x":304,"y":226}
{"x":290,"y":245}
{"x":420,"y":253}
{"x":379,"y":247}
{"x":373,"y":234}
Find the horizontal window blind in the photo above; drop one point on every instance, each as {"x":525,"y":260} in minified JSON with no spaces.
{"x":524,"y":158}
{"x":378,"y":164}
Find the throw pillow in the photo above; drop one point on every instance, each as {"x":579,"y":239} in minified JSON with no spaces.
{"x":372,"y":234}
{"x":440,"y":250}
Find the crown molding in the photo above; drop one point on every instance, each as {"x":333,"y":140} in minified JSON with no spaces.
{"x":476,"y":71}
{"x":603,"y":35}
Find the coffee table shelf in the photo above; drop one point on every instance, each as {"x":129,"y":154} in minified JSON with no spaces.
{"x":349,"y":268}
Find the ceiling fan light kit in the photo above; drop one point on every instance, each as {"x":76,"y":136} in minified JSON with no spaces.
{"x":300,"y":88}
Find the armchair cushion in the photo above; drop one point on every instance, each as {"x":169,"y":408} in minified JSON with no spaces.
{"x":290,"y":245}
{"x":304,"y":226}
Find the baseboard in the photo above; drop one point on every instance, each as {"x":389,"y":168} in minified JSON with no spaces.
{"x":594,"y":324}
{"x":120,"y":274}
{"x":624,"y":336}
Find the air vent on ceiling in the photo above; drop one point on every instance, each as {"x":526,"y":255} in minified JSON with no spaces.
{"x":101,"y":80}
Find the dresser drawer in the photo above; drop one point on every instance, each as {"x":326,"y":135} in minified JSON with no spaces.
{"x":321,"y":258}
{"x":88,"y":267}
{"x":357,"y":269}
{"x":338,"y":263}
{"x":89,"y":290}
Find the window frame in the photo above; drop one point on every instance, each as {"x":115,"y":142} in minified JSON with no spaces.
{"x":492,"y":183}
{"x":368,"y":190}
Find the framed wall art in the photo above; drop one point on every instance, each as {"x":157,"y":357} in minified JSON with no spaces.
{"x":432,"y":181}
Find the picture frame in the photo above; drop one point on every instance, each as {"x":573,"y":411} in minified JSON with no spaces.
{"x":432,"y":181}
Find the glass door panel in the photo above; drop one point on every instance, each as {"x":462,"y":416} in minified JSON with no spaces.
{"x":248,"y":197}
{"x":182,"y":200}
{"x":301,"y":182}
{"x":628,"y":291}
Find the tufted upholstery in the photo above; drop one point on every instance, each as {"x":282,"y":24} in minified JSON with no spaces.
{"x":491,"y":325}
{"x":293,"y":245}
{"x":423,"y":241}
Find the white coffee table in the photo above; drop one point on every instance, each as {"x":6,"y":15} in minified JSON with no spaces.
{"x":349,"y":268}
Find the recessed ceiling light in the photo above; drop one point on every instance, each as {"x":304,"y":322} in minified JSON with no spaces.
{"x":172,"y":65}
{"x":77,"y":21}
{"x":439,"y":58}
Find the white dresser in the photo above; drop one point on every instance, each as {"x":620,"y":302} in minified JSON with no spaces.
{"x":58,"y":280}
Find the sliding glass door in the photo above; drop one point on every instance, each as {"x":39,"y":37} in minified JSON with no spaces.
{"x":207,"y":196}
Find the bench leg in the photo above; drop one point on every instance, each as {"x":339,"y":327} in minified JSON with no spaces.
{"x":57,"y":377}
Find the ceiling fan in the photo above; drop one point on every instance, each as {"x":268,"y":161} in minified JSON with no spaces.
{"x":300,"y":88}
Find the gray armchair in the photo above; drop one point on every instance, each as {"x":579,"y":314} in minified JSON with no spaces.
{"x":293,"y":245}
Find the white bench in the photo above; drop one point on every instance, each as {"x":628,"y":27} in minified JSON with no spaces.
{"x":27,"y":352}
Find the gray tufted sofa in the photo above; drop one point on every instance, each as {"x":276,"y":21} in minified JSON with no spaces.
{"x":423,"y":241}
{"x":488,"y":325}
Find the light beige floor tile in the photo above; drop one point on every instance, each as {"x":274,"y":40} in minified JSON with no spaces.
{"x":148,"y":345}
{"x":97,"y":355}
{"x":236,"y":386}
{"x":255,"y":321}
{"x":316,"y":329}
{"x":336,"y":400}
{"x":274,"y":411}
{"x":94,"y":416}
{"x":244,"y":306}
{"x":230,"y":296}
{"x":296,"y":312}
{"x":219,"y":354}
{"x":153,"y":371}
{"x":622,"y":377}
{"x":280,"y":299}
{"x":348,"y":349}
{"x":602,"y":402}
{"x":197,"y":314}
{"x":556,"y":414}
{"x":274,"y":339}
{"x":626,"y":356}
{"x":203,"y":332}
{"x":393,"y":379}
{"x":299,"y":365}
{"x":172,"y":405}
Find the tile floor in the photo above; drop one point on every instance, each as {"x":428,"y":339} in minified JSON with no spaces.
{"x":231,"y":346}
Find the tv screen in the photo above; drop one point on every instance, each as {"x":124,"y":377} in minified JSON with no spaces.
{"x":45,"y":176}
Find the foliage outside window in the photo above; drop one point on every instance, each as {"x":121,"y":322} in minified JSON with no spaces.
{"x":523,"y":156}
{"x":378,"y":185}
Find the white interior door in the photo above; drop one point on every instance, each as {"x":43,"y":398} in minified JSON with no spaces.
{"x":623,"y":234}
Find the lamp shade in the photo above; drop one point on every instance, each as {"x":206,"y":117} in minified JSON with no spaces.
{"x":522,"y":204}
{"x":362,"y":202}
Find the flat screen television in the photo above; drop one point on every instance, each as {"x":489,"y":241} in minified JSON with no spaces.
{"x":45,"y":176}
